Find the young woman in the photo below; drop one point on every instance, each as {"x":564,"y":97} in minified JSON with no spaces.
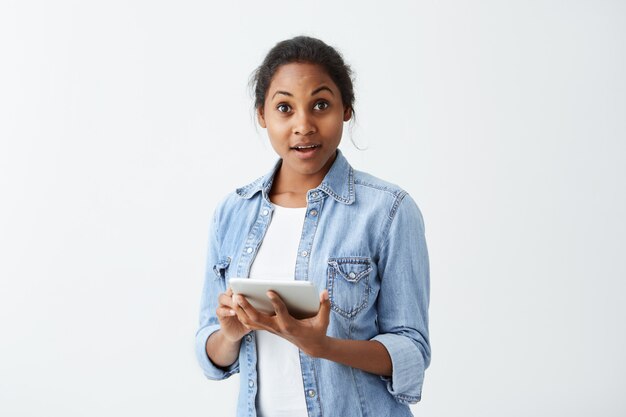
{"x":313,"y":217}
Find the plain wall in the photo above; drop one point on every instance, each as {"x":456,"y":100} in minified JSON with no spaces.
{"x":123,"y":123}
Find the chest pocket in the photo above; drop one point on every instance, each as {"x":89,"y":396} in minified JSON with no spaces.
{"x":348,"y":284}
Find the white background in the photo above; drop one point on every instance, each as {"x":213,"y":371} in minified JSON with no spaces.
{"x":122,"y":123}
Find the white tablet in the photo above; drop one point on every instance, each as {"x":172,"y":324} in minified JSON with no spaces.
{"x":300,"y":297}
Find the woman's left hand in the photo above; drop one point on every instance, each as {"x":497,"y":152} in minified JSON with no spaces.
{"x":309,"y":335}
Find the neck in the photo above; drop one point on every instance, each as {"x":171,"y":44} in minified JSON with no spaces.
{"x":293,"y":186}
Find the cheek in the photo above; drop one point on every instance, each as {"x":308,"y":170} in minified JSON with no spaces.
{"x":277,"y":133}
{"x":278,"y":139}
{"x":335,"y":127}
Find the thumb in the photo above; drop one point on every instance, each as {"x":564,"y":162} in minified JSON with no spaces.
{"x":324,"y":302}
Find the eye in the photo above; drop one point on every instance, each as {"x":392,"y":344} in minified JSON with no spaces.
{"x":283,"y":108}
{"x":321,"y":105}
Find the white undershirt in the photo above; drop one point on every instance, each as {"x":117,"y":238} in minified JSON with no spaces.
{"x":280,"y":386}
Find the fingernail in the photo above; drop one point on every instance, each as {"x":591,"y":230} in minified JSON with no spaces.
{"x":232,"y":312}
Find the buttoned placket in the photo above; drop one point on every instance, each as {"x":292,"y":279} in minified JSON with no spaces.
{"x":315,"y":201}
{"x":253,"y":242}
{"x":254,"y":238}
{"x":249,"y":251}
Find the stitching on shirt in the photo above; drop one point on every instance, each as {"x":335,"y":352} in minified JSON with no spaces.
{"x":394,"y":191}
{"x":244,"y":191}
{"x":408,"y":398}
{"x":334,"y":272}
{"x":328,"y":190}
{"x":394,"y":208}
{"x":390,"y":218}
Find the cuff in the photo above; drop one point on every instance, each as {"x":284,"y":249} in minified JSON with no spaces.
{"x":407,"y":375}
{"x":211,"y":370}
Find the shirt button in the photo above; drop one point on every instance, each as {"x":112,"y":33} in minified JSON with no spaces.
{"x":250,"y":383}
{"x":352,"y":275}
{"x":249,"y":250}
{"x":304,"y":253}
{"x":248,"y":338}
{"x":315,"y":194}
{"x":311,"y":393}
{"x":265,"y":212}
{"x":313,"y":212}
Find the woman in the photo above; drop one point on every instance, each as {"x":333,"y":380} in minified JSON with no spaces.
{"x":313,"y":217}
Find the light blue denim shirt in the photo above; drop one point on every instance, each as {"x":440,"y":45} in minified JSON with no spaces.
{"x":363,"y":239}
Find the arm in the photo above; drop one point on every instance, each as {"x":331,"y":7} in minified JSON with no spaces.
{"x":309,"y":335}
{"x":401,"y":352}
{"x":403,"y":301}
{"x":368,"y":355}
{"x":216,"y":354}
{"x":222,"y":351}
{"x":223,"y":345}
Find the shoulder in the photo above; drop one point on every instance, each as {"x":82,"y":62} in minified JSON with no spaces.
{"x":369,"y":185}
{"x":396,"y":198}
{"x":374,"y":184}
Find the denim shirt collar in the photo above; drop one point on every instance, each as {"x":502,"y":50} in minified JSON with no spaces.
{"x":338,"y":182}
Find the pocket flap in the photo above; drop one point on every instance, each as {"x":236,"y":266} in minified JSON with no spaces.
{"x":352,"y":269}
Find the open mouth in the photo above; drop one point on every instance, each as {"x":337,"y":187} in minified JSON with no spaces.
{"x":304,"y":148}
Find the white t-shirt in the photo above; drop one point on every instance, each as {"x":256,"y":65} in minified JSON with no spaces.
{"x":280,"y":388}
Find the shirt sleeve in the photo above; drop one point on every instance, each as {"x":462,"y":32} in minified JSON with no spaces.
{"x":403,"y":301}
{"x":214,"y":284}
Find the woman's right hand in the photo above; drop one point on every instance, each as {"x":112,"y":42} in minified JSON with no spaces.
{"x":232,"y":329}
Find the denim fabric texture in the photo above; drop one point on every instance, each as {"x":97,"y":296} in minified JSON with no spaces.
{"x":363,"y":239}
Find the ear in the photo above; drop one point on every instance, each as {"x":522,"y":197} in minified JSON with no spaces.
{"x":261,"y":117}
{"x":347,"y":113}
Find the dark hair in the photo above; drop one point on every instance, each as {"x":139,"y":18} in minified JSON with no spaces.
{"x":303,"y":49}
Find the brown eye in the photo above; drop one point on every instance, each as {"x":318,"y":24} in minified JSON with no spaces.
{"x":283,"y":108}
{"x":321,"y":105}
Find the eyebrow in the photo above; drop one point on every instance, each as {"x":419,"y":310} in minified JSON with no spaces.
{"x":322,"y":88}
{"x":317,"y":90}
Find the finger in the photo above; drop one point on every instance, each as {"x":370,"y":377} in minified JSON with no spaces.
{"x":225,"y":312}
{"x":242,"y":303}
{"x":324,"y":311}
{"x":225,"y":300}
{"x":283,"y":321}
{"x":242,"y":316}
{"x":279,"y":306}
{"x":288,"y":325}
{"x":252,"y":316}
{"x":229,"y":292}
{"x":246,"y":321}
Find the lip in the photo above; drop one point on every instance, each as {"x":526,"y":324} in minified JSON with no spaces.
{"x":305,"y":150}
{"x":305,"y":145}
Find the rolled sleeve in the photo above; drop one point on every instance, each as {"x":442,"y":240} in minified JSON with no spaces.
{"x":211,"y":370}
{"x":208,"y":323}
{"x":403,"y":301}
{"x":408,"y":368}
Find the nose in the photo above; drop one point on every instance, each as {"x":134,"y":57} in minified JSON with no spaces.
{"x":304,"y":124}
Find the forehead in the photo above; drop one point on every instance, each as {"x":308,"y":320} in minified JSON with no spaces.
{"x":300,"y":77}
